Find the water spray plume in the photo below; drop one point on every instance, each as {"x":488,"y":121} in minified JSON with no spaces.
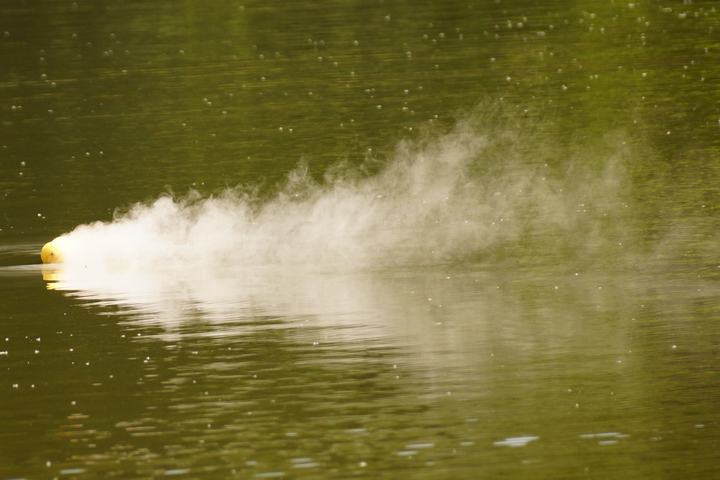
{"x":492,"y":187}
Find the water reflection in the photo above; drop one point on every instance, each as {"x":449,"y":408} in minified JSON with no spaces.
{"x":269,"y":372}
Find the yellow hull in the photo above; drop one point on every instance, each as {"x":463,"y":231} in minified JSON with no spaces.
{"x":52,"y":253}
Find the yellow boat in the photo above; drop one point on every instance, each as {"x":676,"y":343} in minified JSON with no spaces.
{"x":52,"y":252}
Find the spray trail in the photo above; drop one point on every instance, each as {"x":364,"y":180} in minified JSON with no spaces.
{"x":492,"y":188}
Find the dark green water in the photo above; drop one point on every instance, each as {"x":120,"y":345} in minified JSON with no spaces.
{"x":501,"y":262}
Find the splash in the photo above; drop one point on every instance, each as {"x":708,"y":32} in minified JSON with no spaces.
{"x":495,"y":187}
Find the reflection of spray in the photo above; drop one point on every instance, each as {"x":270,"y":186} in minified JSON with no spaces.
{"x":482,"y":191}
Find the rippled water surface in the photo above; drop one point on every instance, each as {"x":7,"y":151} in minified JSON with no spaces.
{"x":360,"y":239}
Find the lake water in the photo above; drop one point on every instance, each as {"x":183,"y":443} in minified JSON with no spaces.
{"x":360,"y":239}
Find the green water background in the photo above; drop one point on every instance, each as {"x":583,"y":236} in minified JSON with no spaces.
{"x":104,"y":104}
